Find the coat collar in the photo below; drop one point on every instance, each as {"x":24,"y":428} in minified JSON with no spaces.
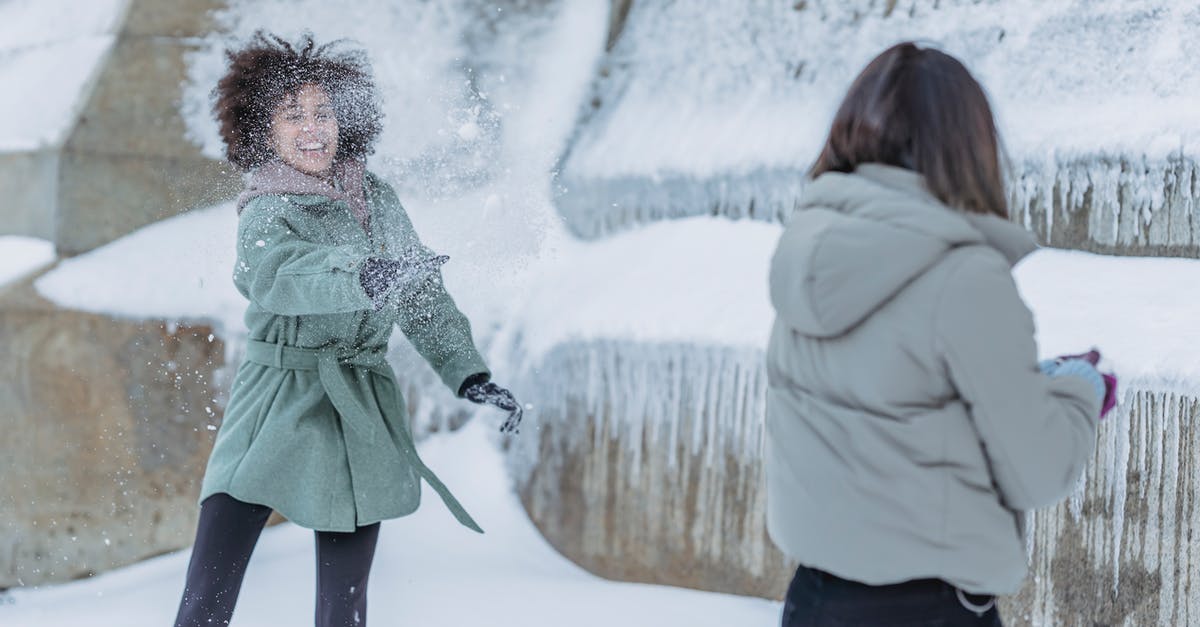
{"x":277,"y":178}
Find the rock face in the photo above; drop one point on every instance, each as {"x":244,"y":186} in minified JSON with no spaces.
{"x":118,"y":158}
{"x":758,"y":113}
{"x":1112,"y":206}
{"x":108,"y":425}
{"x":127,"y":162}
{"x":1122,"y":550}
{"x":646,"y":467}
{"x":29,"y":180}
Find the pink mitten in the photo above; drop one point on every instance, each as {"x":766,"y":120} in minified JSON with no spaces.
{"x":1110,"y":394}
{"x":1092,"y":357}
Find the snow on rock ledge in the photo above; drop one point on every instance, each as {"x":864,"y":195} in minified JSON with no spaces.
{"x":728,"y":122}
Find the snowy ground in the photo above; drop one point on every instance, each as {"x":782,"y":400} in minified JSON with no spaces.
{"x":429,"y":571}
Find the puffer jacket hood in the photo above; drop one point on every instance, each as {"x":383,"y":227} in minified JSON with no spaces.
{"x":857,"y":239}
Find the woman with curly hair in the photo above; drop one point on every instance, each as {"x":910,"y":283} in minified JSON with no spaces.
{"x":316,"y":427}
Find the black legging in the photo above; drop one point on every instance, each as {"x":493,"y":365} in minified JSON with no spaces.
{"x":226,"y":536}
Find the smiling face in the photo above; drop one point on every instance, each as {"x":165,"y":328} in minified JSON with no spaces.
{"x":304,"y":130}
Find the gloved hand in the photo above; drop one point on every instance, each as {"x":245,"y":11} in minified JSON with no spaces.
{"x":380,"y":276}
{"x":1110,"y":394}
{"x":1106,"y":384}
{"x":488,"y":393}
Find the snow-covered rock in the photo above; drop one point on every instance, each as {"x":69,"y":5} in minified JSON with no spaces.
{"x":1093,"y":100}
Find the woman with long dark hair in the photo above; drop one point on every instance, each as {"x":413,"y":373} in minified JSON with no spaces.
{"x":909,"y":423}
{"x":316,"y":427}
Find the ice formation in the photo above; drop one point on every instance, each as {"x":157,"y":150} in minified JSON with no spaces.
{"x":659,"y":444}
{"x":1093,"y":99}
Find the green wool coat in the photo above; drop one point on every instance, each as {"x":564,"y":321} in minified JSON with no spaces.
{"x":316,"y":426}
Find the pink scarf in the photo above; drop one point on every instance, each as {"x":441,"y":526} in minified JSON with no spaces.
{"x":345,"y":184}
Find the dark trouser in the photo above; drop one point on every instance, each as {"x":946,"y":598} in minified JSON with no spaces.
{"x":228,"y":531}
{"x":818,"y":598}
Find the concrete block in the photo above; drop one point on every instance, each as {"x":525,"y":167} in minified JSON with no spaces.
{"x":108,"y":425}
{"x":29,"y":181}
{"x":643,"y":466}
{"x":104,"y":196}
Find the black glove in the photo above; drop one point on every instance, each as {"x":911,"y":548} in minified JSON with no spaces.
{"x":379,"y":276}
{"x":488,"y":393}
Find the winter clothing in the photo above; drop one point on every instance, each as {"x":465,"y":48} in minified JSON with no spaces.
{"x":380,"y":276}
{"x":1106,"y":383}
{"x":343,"y":568}
{"x":1077,"y":368}
{"x":225,"y":539}
{"x":486,"y":393}
{"x":346,"y":184}
{"x":1110,"y":394}
{"x":315,"y":426}
{"x":818,"y":598}
{"x":907,"y":423}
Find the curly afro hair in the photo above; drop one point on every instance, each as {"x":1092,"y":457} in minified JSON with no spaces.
{"x":268,"y":68}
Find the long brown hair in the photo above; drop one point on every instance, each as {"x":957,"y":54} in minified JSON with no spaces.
{"x":920,"y":109}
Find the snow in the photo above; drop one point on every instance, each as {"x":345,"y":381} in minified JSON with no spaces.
{"x":69,"y":39}
{"x":1093,"y":101}
{"x":761,"y":87}
{"x":697,"y":281}
{"x":20,"y":256}
{"x":703,"y":281}
{"x":178,"y":269}
{"x":1138,"y":310}
{"x":27,"y":23}
{"x":428,"y":571}
{"x":473,"y":129}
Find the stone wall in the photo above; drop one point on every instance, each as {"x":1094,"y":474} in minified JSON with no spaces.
{"x":127,"y":162}
{"x":107,"y":427}
{"x":1115,"y":206}
{"x":1125,"y":549}
{"x":645,"y":466}
{"x":29,"y":181}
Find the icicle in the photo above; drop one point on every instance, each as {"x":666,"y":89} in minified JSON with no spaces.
{"x":669,"y":436}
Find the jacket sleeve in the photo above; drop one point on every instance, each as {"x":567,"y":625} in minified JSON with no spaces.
{"x":288,"y":275}
{"x":431,"y":320}
{"x":441,"y":333}
{"x":1038,"y":432}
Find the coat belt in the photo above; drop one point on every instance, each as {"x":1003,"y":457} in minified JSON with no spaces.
{"x":333,"y":369}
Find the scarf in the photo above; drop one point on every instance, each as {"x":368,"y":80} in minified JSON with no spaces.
{"x":345,"y":184}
